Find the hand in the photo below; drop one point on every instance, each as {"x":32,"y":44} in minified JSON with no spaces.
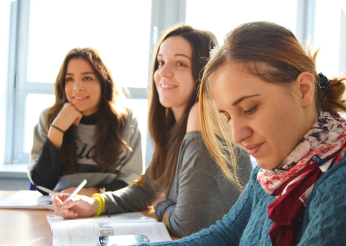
{"x":159,"y":199}
{"x":67,"y":116}
{"x":77,"y":206}
{"x":85,"y":191}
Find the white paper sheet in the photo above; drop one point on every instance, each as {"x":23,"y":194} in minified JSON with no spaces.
{"x":76,"y":233}
{"x":27,"y":199}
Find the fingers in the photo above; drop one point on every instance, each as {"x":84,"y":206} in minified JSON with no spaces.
{"x":66,"y":213}
{"x":76,"y":122}
{"x":67,"y":116}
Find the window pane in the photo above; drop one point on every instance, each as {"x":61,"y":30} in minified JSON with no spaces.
{"x":330,"y":36}
{"x":35,"y":104}
{"x":120,"y":29}
{"x":140,"y":110}
{"x":222,"y":16}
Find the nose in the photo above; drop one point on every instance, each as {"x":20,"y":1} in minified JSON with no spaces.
{"x":166,"y":71}
{"x":78,"y":85}
{"x":240,"y":130}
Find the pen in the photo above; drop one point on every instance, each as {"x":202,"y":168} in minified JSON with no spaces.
{"x":79,"y":187}
{"x":46,"y":190}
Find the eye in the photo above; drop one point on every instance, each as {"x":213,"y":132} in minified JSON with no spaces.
{"x":69,"y":79}
{"x":88,"y":78}
{"x":251,"y":111}
{"x":180,"y":64}
{"x":160,"y":63}
{"x":227,"y":116}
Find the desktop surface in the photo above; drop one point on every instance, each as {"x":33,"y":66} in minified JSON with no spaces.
{"x":30,"y":227}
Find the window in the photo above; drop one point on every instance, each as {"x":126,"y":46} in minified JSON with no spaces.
{"x":221,"y":20}
{"x":52,"y":28}
{"x":42,"y":32}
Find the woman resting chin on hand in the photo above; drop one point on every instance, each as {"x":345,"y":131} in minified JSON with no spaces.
{"x":87,"y":133}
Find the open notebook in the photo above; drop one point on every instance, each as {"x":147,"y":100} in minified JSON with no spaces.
{"x":27,"y":199}
{"x":86,"y":232}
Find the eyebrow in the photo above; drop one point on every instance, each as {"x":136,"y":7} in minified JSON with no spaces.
{"x":179,"y":55}
{"x":240,"y":100}
{"x":243,"y":98}
{"x":82,"y":73}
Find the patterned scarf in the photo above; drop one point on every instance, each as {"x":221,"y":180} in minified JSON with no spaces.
{"x":292,"y":182}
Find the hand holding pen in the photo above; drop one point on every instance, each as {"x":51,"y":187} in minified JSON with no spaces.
{"x":74,"y":206}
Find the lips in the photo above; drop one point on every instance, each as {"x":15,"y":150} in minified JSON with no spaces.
{"x":253,"y":148}
{"x":167,"y":86}
{"x":79,"y":98}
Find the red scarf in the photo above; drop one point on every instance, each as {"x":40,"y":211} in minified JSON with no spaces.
{"x":292,"y":182}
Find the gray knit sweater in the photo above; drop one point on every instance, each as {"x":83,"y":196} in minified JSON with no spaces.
{"x":45,"y":167}
{"x":200,"y":194}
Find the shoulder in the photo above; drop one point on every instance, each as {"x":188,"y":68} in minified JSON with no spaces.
{"x":331,"y":187}
{"x":193,"y":123}
{"x":42,"y":118}
{"x":44,"y":113}
{"x":128,"y":118}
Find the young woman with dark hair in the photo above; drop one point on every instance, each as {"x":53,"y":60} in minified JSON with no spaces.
{"x":196,"y":193}
{"x":87,"y":133}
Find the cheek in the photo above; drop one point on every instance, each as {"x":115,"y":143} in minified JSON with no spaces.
{"x":156,"y":77}
{"x":98,"y":92}
{"x":68,"y":91}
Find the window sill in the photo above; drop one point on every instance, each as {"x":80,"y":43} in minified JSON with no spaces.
{"x":14,"y":170}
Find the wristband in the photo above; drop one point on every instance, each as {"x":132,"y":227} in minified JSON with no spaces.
{"x":57,"y":128}
{"x":101,"y":201}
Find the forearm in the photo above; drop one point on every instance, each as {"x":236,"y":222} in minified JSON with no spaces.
{"x":115,"y":185}
{"x":136,"y":197}
{"x":48,"y":168}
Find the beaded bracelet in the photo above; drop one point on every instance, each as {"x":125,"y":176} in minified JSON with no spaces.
{"x":57,"y":128}
{"x":101,"y":201}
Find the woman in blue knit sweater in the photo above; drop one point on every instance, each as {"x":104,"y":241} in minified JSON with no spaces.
{"x":266,"y":96}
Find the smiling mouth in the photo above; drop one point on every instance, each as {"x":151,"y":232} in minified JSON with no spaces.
{"x":164,"y":86}
{"x":80,"y":98}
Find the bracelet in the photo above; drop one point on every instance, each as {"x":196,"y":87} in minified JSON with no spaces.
{"x":57,"y":128}
{"x":101,"y":201}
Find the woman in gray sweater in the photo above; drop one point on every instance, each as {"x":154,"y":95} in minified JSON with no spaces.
{"x":196,"y":193}
{"x":87,"y":133}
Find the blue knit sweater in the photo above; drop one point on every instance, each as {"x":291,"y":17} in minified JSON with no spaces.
{"x":324,"y":221}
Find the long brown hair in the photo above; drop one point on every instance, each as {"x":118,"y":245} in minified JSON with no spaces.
{"x":110,"y":114}
{"x":272,"y":53}
{"x":166,"y":133}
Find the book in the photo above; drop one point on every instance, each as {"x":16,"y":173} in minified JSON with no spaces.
{"x":27,"y":199}
{"x":86,"y":231}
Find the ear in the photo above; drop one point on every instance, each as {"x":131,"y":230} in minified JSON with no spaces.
{"x":306,"y":86}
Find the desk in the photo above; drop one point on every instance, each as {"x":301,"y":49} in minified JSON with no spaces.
{"x":30,"y":227}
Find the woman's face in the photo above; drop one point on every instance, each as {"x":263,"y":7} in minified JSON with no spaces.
{"x":266,"y":119}
{"x":82,"y":87}
{"x":173,"y":78}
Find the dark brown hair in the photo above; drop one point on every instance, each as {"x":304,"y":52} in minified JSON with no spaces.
{"x":110,"y":114}
{"x":166,"y":133}
{"x":272,"y":53}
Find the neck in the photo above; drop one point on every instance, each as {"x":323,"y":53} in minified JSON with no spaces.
{"x":178,"y":113}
